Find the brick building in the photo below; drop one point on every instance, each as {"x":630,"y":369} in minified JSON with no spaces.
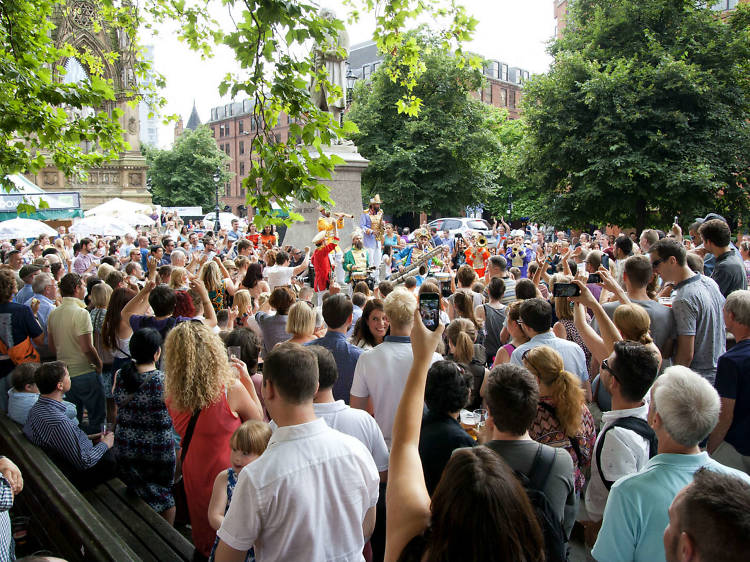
{"x":233,"y":125}
{"x":504,"y":87}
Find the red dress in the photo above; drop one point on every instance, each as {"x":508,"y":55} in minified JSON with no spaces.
{"x":322,"y":264}
{"x":208,"y":454}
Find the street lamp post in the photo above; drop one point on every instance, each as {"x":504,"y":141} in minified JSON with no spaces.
{"x":351,"y":78}
{"x":510,"y":205}
{"x":217,"y":177}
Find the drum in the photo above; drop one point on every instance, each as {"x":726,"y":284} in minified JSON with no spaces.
{"x":358,"y":276}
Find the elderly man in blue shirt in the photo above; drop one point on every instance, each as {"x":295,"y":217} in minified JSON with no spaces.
{"x":337,"y":313}
{"x":27,"y":275}
{"x":684,"y":409}
{"x":45,"y":291}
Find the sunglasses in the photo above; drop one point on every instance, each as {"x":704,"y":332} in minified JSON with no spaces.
{"x":605,"y":367}
{"x":657,"y":263}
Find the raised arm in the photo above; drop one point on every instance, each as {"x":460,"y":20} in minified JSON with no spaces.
{"x":406,"y":495}
{"x":600,"y":346}
{"x":137,"y":305}
{"x":301,"y":267}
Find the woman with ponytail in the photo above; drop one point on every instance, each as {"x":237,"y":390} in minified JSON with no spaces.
{"x":461,"y":335}
{"x":562,"y":418}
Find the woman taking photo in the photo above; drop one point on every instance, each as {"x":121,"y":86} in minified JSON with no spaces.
{"x":562,"y":418}
{"x":208,"y":398}
{"x":372,"y":326}
{"x":479,"y":511}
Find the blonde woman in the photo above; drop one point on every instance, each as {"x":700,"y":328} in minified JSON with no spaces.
{"x":462,"y":335}
{"x":218,"y":283}
{"x":179,"y":279}
{"x":244,"y":304}
{"x":200,"y":382}
{"x":104,"y":270}
{"x":562,"y":418}
{"x":300,"y":324}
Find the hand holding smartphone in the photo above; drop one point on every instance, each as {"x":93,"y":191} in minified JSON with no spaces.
{"x":566,"y":290}
{"x":429,"y":310}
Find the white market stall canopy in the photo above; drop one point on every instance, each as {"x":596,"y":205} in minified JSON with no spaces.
{"x":24,"y":228}
{"x":101,"y":226}
{"x":115,"y":207}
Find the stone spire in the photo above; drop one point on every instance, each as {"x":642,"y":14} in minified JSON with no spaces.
{"x":194,"y":121}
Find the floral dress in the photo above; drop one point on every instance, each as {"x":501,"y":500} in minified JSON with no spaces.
{"x":546,"y":429}
{"x":217,"y":298}
{"x":143,"y":437}
{"x":231,"y":483}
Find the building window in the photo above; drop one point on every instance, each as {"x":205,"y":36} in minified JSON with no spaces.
{"x":242,"y":168}
{"x":227,"y":190}
{"x":240,"y":127}
{"x":242,"y":147}
{"x":242,"y":190}
{"x":512,"y":101}
{"x":487,"y":94}
{"x":226,"y":148}
{"x":504,"y":72}
{"x":288,"y":120}
{"x":722,"y":5}
{"x":221,"y":130}
{"x":503,"y":97}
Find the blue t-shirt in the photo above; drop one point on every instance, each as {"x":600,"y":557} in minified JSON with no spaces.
{"x":733,"y":382}
{"x":17,"y":322}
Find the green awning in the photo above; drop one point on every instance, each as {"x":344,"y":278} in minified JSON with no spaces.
{"x":45,"y":214}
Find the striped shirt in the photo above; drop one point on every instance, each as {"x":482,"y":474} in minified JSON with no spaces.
{"x":49,"y":428}
{"x":7,"y":548}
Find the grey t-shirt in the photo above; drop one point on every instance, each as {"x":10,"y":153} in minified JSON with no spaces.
{"x":729,"y":272}
{"x":697,"y":305}
{"x":273,"y":329}
{"x":662,"y":321}
{"x":560,"y":488}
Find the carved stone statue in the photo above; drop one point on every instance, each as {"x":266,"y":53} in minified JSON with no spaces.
{"x":326,"y":55}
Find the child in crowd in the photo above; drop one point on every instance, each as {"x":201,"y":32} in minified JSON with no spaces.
{"x":24,"y":394}
{"x":247,"y":442}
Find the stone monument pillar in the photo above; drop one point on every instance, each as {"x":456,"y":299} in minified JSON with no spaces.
{"x":346,"y":191}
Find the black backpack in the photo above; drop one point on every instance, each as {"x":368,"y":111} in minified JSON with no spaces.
{"x":555,"y":539}
{"x":639,"y":426}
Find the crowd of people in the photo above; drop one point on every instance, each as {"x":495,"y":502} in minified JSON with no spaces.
{"x":290,"y":403}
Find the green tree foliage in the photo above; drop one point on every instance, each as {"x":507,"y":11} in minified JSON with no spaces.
{"x":437,"y":161}
{"x":643,"y":116}
{"x":271,"y":40}
{"x":184,"y":175}
{"x":36,"y":108}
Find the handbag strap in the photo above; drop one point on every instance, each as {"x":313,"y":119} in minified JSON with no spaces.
{"x":189,"y":434}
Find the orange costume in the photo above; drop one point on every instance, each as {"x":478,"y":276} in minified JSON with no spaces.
{"x":477,"y":258}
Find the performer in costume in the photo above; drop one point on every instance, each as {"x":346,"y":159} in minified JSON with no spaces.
{"x":476,"y":255}
{"x":329,"y":224}
{"x":321,"y":260}
{"x":373,"y":228}
{"x":518,"y":255}
{"x":413,"y":252}
{"x":357,"y":259}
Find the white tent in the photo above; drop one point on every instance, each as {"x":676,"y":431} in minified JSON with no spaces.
{"x":24,"y":228}
{"x":135,"y":219}
{"x":115,"y":207}
{"x":101,"y":226}
{"x":225,"y":219}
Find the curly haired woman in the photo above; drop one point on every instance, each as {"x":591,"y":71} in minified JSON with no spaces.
{"x":199,"y":380}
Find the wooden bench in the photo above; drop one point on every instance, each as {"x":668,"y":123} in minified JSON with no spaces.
{"x":105,"y":523}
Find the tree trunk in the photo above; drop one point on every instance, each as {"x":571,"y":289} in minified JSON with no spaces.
{"x":640,"y":215}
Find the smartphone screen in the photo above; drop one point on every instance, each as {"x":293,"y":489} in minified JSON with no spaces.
{"x":594,"y":278}
{"x":429,"y":310}
{"x":566,"y":290}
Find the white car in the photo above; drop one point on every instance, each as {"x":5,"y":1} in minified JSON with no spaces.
{"x":460,"y":225}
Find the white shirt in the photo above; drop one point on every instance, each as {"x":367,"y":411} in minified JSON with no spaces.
{"x":305,"y":498}
{"x":356,"y":423}
{"x":624,"y":452}
{"x":381,"y":373}
{"x":279,"y":276}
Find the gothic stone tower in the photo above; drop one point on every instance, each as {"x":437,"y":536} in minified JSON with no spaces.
{"x":125,"y":177}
